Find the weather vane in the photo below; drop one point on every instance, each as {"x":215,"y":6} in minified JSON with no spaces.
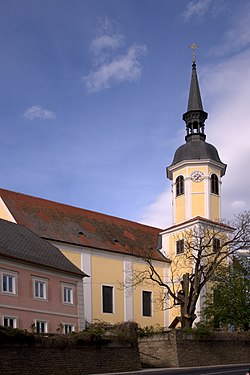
{"x":193,"y":47}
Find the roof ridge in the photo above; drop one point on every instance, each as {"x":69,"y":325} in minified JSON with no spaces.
{"x":80,"y":208}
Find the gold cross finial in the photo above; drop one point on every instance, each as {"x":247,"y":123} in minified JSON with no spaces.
{"x":193,"y":47}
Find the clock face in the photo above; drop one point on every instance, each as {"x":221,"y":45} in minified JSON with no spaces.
{"x":197,"y":176}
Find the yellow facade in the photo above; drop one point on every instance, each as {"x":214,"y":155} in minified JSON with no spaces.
{"x":197,"y":199}
{"x":74,"y":257}
{"x":109,"y":272}
{"x":157,"y":317}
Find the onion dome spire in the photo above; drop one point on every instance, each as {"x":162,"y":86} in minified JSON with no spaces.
{"x":195,"y":117}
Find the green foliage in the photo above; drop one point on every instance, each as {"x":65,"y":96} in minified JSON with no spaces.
{"x":12,"y":335}
{"x":100,"y":330}
{"x":229,"y":304}
{"x":201,"y":331}
{"x":149,"y":330}
{"x":95,"y":333}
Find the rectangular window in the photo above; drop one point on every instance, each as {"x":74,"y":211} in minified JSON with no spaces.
{"x":9,"y":321}
{"x":8,"y":283}
{"x":180,"y":246}
{"x":67,"y":294}
{"x":216,"y":245}
{"x":41,"y":326}
{"x":8,"y":280}
{"x":146,"y":303}
{"x":68,"y":328}
{"x":40,"y":288}
{"x":107,"y":299}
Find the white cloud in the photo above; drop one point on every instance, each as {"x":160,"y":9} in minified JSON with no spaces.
{"x":37,"y":112}
{"x":196,"y":9}
{"x":122,"y":68}
{"x":158,"y":214}
{"x":99,"y":44}
{"x":238,"y":36}
{"x":111,"y":65}
{"x":226,"y":89}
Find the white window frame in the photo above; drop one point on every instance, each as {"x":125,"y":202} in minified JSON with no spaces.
{"x":65,"y":330}
{"x":151,"y":305}
{"x":43,"y":282}
{"x":12,"y":318}
{"x":38,"y":322}
{"x":113,"y":298}
{"x":14,"y":276}
{"x":71,"y":289}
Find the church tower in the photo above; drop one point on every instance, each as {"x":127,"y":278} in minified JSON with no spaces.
{"x":196,"y":170}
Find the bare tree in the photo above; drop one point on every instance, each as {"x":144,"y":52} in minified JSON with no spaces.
{"x":207,"y":246}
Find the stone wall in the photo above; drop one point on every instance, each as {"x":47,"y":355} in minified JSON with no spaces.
{"x":175,"y":349}
{"x":24,"y":360}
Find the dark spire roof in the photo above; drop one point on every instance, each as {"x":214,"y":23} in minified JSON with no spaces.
{"x":194,"y":100}
{"x":195,"y":147}
{"x":195,"y":117}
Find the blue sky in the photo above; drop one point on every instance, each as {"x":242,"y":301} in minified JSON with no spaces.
{"x":92,"y":94}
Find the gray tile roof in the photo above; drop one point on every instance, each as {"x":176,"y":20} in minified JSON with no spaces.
{"x":20,"y":243}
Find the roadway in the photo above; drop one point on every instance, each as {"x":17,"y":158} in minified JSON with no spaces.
{"x":243,"y":369}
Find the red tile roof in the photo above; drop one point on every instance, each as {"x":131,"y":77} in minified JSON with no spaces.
{"x":60,"y":222}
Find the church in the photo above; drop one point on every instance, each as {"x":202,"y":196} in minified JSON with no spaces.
{"x":107,"y":249}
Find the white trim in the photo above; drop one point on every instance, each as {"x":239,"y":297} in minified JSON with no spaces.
{"x":128,"y":291}
{"x":166,"y":311}
{"x":47,"y":312}
{"x":188,"y":198}
{"x":39,"y":268}
{"x":173,"y":203}
{"x":187,"y":224}
{"x":45,"y":322}
{"x":14,"y":318}
{"x":71,"y":289}
{"x":41,"y":281}
{"x":68,"y":325}
{"x":194,"y":162}
{"x":86,"y":263}
{"x":12,"y":274}
{"x":207,"y":200}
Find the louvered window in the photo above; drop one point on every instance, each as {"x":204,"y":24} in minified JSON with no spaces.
{"x":216,"y":245}
{"x":180,"y":247}
{"x":214,"y":184}
{"x":179,"y":185}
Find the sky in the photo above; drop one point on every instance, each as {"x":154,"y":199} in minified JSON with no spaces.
{"x":92,"y":94}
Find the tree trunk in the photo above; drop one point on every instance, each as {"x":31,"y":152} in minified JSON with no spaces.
{"x":187,"y":316}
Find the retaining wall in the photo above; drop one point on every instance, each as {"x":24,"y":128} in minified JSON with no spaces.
{"x":176,"y":349}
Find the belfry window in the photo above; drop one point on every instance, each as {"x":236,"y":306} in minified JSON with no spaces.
{"x":214,"y":184}
{"x":216,"y":245}
{"x":180,"y":247}
{"x":179,"y":185}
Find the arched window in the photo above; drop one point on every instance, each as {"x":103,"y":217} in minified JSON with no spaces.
{"x":214,"y":184}
{"x":179,"y":185}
